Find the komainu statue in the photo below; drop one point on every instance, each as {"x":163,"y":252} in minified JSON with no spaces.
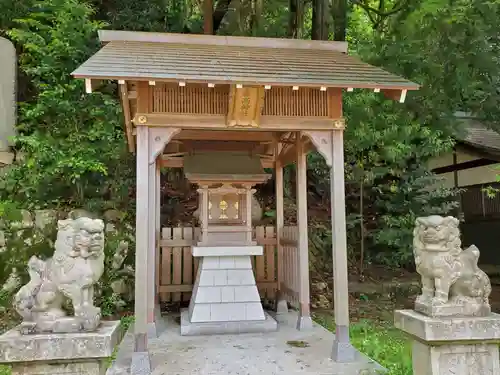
{"x":72,"y":272}
{"x":452,"y":283}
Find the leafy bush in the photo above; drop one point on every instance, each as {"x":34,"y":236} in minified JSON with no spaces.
{"x":72,"y":143}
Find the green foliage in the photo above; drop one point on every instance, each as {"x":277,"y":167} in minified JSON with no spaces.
{"x":397,"y":207}
{"x":12,"y":10}
{"x":387,"y":150}
{"x":22,"y":241}
{"x":459,"y":69}
{"x":153,"y":15}
{"x":381,"y":342}
{"x":118,"y":271}
{"x":72,"y":143}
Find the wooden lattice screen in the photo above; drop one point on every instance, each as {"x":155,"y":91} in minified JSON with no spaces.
{"x":201,"y":99}
{"x":176,"y":267}
{"x":306,"y":102}
{"x":194,"y":99}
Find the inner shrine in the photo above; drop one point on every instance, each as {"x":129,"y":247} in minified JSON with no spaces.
{"x":225,"y":289}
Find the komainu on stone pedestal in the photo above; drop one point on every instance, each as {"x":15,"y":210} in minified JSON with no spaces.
{"x":72,"y":272}
{"x":452,"y":283}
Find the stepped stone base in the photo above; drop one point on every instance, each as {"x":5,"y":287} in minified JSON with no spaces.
{"x":232,"y":327}
{"x":225,"y":298}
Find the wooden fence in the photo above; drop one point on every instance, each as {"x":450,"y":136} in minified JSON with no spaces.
{"x":177,"y":268}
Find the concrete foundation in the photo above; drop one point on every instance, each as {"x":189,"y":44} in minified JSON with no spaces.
{"x":65,"y":353}
{"x":273,"y":353}
{"x":458,"y":345}
{"x":232,"y":327}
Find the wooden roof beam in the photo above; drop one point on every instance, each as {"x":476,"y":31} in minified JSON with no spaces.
{"x":290,"y":154}
{"x":397,"y":95}
{"x":178,"y":162}
{"x":92,"y":85}
{"x":127,"y":116}
{"x":218,"y":122}
{"x":224,"y":135}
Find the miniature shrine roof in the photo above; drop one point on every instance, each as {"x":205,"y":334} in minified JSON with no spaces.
{"x":223,"y":165}
{"x":224,"y":59}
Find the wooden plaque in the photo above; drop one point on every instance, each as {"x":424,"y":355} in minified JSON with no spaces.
{"x":245,"y":106}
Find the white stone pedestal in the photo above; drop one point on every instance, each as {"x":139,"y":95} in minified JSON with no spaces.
{"x":442,"y":346}
{"x":62,"y":353}
{"x":225,"y":298}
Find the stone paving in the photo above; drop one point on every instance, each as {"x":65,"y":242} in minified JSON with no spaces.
{"x":286,"y":351}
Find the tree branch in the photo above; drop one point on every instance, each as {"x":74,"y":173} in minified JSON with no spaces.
{"x":397,"y":7}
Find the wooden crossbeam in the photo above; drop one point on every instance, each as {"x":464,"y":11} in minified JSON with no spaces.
{"x":397,"y":95}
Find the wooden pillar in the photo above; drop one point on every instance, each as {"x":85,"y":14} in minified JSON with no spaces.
{"x":157,"y":227}
{"x":142,"y":240}
{"x":151,"y":250}
{"x":248,"y":213}
{"x":304,"y":321}
{"x":342,"y":351}
{"x":203,"y":191}
{"x":281,"y":303}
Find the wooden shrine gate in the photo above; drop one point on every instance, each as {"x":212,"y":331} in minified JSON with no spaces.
{"x":176,"y":268}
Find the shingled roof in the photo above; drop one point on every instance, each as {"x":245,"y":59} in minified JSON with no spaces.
{"x":478,"y":135}
{"x":223,"y":60}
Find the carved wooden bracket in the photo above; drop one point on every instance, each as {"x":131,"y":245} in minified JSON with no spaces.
{"x":322,"y":140}
{"x":158,"y":139}
{"x":245,"y":106}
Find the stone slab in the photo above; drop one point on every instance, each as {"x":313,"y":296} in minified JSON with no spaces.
{"x":226,"y":312}
{"x":229,"y":327}
{"x":249,"y":354}
{"x":430,"y":329}
{"x":94,"y":367}
{"x":225,"y":263}
{"x":15,"y":347}
{"x":223,"y":251}
{"x":453,"y":309}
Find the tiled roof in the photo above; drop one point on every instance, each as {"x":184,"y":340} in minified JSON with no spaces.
{"x":220,"y":59}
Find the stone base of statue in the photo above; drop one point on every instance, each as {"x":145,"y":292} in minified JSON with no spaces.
{"x":87,"y":320}
{"x":461,"y":305}
{"x":83,"y":353}
{"x":452,"y":345}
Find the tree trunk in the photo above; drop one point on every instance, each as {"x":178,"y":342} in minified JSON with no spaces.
{"x":256,"y":16}
{"x":339,"y":15}
{"x":296,"y":19}
{"x":320,"y":13}
{"x":208,"y":17}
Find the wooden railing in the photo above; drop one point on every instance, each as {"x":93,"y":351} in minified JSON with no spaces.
{"x":176,"y":267}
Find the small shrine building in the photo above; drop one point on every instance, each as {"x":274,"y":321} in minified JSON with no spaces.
{"x":224,"y":108}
